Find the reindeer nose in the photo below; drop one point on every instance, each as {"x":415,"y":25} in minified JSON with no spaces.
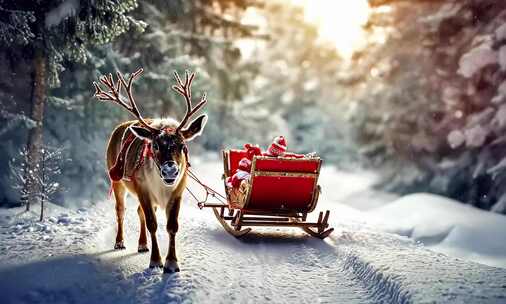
{"x":169,"y":170}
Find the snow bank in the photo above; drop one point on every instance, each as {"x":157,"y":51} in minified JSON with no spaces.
{"x":61,"y":232}
{"x":13,"y":216}
{"x":353,"y":189}
{"x":397,"y":270}
{"x":446,"y":226}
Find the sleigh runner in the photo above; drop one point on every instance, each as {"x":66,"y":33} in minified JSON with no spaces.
{"x":281,"y":192}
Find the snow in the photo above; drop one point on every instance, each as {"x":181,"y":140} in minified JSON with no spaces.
{"x":498,"y":168}
{"x":501,"y":94}
{"x":20,"y":229}
{"x":447,"y":226}
{"x":61,"y":12}
{"x":502,"y":57}
{"x":500,"y":205}
{"x":500,"y":32}
{"x":475,"y":136}
{"x":69,"y":257}
{"x":476,"y":59}
{"x":445,"y":12}
{"x":502,"y":89}
{"x":500,"y":117}
{"x":482,"y":117}
{"x":456,"y":138}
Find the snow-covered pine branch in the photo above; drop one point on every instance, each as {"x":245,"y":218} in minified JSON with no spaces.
{"x":64,"y":10}
{"x":12,"y":120}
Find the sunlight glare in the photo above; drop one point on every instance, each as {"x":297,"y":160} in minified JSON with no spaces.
{"x":339,"y":22}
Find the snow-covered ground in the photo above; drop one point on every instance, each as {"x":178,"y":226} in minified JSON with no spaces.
{"x":68,"y":258}
{"x":447,"y":226}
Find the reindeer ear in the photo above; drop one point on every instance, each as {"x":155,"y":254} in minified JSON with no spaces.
{"x":141,"y":132}
{"x":196,"y":127}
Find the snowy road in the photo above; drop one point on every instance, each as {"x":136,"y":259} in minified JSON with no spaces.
{"x":281,"y":266}
{"x":70,"y":260}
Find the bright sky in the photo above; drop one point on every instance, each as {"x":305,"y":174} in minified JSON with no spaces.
{"x":339,"y":22}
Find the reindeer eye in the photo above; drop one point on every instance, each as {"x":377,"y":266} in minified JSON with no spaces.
{"x":155,"y":146}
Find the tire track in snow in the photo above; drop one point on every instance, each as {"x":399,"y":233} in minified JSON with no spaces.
{"x":315,"y":272}
{"x":397,"y":270}
{"x":382,"y":288}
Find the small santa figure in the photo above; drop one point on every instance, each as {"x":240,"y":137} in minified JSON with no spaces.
{"x":278,"y":149}
{"x":244,"y":167}
{"x":243,"y":172}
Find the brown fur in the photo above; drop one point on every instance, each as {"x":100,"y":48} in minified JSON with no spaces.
{"x":150,"y":196}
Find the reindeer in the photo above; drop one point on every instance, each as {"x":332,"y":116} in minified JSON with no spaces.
{"x":160,"y":175}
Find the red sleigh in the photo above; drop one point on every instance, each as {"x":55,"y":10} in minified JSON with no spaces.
{"x":281,"y":192}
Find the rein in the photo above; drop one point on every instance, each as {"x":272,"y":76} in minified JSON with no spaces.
{"x":209,"y":191}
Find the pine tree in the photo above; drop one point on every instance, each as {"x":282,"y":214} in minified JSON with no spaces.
{"x":53,"y":33}
{"x":432,"y":108}
{"x":44,"y":175}
{"x":165,"y":45}
{"x":199,"y":35}
{"x":49,"y":168}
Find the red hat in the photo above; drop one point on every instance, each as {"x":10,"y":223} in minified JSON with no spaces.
{"x":252,"y":150}
{"x":244,"y":164}
{"x":278,"y":146}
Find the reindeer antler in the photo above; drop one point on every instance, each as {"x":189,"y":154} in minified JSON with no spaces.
{"x":184,"y":89}
{"x":114,"y":94}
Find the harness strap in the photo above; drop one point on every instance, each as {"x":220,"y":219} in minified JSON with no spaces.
{"x":117,"y":172}
{"x":145,"y":153}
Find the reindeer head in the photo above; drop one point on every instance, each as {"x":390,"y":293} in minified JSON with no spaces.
{"x":169,"y":145}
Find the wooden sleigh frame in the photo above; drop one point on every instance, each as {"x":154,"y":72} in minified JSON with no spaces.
{"x":260,"y":204}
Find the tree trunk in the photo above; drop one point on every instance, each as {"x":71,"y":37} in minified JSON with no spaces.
{"x":34,"y":144}
{"x":42,"y":209}
{"x":42,"y":190}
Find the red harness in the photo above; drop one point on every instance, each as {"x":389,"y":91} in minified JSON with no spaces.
{"x":145,"y":153}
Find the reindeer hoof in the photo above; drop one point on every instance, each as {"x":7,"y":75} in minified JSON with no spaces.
{"x":143,"y":248}
{"x":170,"y":267}
{"x":153,"y":264}
{"x":119,"y":246}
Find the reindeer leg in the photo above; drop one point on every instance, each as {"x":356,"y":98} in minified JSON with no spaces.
{"x":119,"y":195}
{"x":172,"y":228}
{"x":149,"y":212}
{"x":143,"y":241}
